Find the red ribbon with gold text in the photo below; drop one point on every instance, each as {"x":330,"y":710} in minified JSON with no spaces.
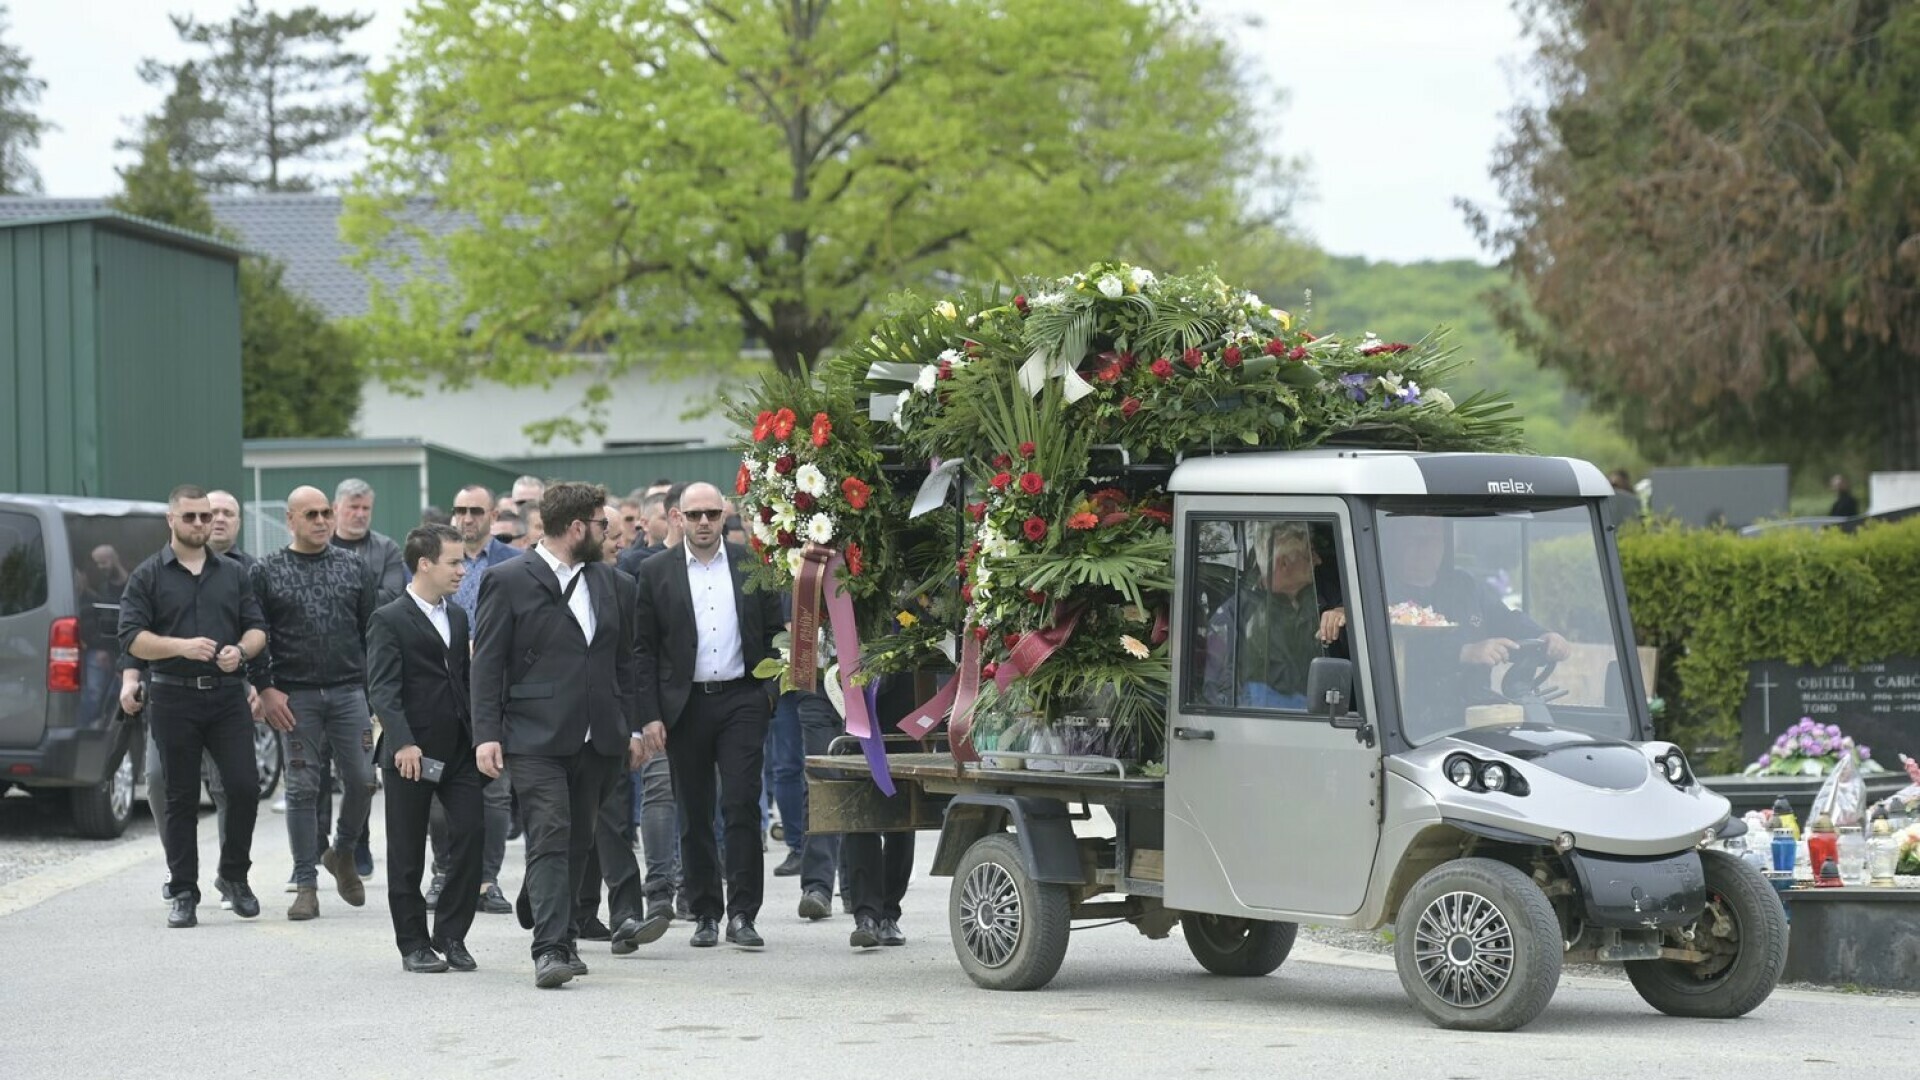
{"x":824,"y":566}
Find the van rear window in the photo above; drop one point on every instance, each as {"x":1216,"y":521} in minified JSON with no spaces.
{"x":23,"y":564}
{"x":104,"y":550}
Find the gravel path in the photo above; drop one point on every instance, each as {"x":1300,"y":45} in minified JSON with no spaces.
{"x":36,"y":834}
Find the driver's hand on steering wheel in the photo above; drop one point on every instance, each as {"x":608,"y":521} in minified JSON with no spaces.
{"x":1487,"y":653}
{"x":1558,"y":648}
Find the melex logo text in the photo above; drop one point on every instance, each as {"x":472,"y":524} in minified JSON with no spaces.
{"x":1509,"y":487}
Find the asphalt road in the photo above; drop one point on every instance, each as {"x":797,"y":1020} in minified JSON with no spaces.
{"x":93,"y":984}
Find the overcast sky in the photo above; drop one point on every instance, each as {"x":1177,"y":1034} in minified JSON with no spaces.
{"x":1396,"y":104}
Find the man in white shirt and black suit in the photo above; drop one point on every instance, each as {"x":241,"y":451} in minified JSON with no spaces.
{"x":700,"y":637}
{"x":417,"y":683}
{"x":554,"y":693}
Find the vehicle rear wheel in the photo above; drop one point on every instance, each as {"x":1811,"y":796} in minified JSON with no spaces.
{"x":1742,"y":931}
{"x":1477,"y":946}
{"x":101,"y":812}
{"x":267,"y":758}
{"x":1237,"y":947}
{"x":1009,"y":931}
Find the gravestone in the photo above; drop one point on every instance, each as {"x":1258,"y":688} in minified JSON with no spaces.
{"x":1877,"y":704}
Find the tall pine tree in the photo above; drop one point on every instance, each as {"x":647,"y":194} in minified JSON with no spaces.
{"x":20,"y":126}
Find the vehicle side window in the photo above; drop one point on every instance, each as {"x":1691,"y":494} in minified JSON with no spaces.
{"x":23,"y":564}
{"x":103,"y":550}
{"x":1261,"y":591}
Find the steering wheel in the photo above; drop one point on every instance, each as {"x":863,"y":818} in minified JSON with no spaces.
{"x":1530,"y":667}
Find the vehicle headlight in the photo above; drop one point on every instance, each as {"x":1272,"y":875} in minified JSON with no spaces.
{"x":1460,"y":771}
{"x":1673,"y":766}
{"x":1493,"y":776}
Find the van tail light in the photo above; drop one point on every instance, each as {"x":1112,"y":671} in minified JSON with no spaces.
{"x":63,"y":656}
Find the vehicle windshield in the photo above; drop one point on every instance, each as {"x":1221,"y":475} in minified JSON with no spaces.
{"x":1499,"y":617}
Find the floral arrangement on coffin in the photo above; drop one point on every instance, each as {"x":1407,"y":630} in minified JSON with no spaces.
{"x":1810,"y":749}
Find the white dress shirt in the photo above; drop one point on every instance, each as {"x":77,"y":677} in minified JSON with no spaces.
{"x":717,"y":656}
{"x":437,"y":615}
{"x":582,"y":604}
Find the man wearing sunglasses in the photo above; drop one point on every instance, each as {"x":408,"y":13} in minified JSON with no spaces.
{"x":317,"y":599}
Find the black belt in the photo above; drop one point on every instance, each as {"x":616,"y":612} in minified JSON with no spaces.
{"x":718,"y":685}
{"x":197,"y":682}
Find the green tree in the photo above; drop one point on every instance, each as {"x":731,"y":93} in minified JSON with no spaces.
{"x":298,"y":374}
{"x":1713,"y":222}
{"x":658,"y":180}
{"x":272,"y":91}
{"x":20,"y":126}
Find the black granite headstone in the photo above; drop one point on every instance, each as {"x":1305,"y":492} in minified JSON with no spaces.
{"x":1876,"y":704}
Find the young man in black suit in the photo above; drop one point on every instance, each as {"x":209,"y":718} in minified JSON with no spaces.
{"x":417,"y":673}
{"x":554,"y":673}
{"x":700,"y":637}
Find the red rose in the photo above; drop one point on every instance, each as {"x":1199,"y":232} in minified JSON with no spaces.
{"x":979,"y":633}
{"x":1020,"y":303}
{"x":1000,"y":480}
{"x":1031,"y":483}
{"x":1298,"y":352}
{"x":961,"y":566}
{"x":976,"y":511}
{"x":1163,"y":368}
{"x":945,"y":371}
{"x":1010,"y":641}
{"x":785,"y":538}
{"x":972,"y":347}
{"x":1193,"y":357}
{"x":1082,"y":521}
{"x":1001,"y":461}
{"x":1026,"y":449}
{"x":784,"y":464}
{"x":783,"y":423}
{"x":1036,"y":529}
{"x":822,"y":428}
{"x":1231,"y":357}
{"x":856,"y":491}
{"x":1276,"y":347}
{"x":966,"y":594}
{"x":762,"y":426}
{"x":989,"y":670}
{"x":1035,"y":596}
{"x":766,"y":514}
{"x":854,"y":556}
{"x":802,"y":502}
{"x":1129,"y":407}
{"x":742,"y":479}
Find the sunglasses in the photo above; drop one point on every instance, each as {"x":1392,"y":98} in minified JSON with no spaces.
{"x":597,"y":523}
{"x":315,"y":515}
{"x":195,"y":517}
{"x":704,"y":515}
{"x":469,"y":511}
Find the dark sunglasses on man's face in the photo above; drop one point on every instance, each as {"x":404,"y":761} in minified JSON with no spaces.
{"x":316,"y":515}
{"x":195,"y":517}
{"x":704,"y":515}
{"x":469,"y":511}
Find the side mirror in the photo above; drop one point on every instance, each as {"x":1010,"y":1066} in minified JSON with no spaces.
{"x":1330,"y":687}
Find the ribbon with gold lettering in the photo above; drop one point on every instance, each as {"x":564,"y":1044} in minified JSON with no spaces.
{"x":819,"y":562}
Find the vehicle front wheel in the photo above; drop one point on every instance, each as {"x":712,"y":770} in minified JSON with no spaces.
{"x":101,"y":812}
{"x":1477,"y":946}
{"x":1237,"y":947}
{"x":268,"y":758}
{"x":1742,"y":934}
{"x":1009,"y":931}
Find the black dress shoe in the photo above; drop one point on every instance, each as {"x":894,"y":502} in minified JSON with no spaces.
{"x":866,"y":933}
{"x":815,"y":904}
{"x":523,"y":909}
{"x":434,"y":888}
{"x":245,"y":904}
{"x":424,"y":961}
{"x":635,"y":932}
{"x":595,"y":930}
{"x":458,"y":958}
{"x":891,"y":934}
{"x":578,"y":966}
{"x":552,"y":969}
{"x":183,"y":914}
{"x":706,"y":933}
{"x":682,"y":908}
{"x":494,"y":902}
{"x":740,"y":931}
{"x":789,"y":867}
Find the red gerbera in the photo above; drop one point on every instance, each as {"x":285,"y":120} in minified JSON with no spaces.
{"x":856,"y":491}
{"x":1036,"y":529}
{"x":742,"y":479}
{"x":1083,"y":520}
{"x":822,"y":429}
{"x":854,"y":556}
{"x":1031,"y":483}
{"x":783,"y":423}
{"x":762,"y":426}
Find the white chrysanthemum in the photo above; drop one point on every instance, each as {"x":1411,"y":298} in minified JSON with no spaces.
{"x":1047,"y":299}
{"x":1143,"y":277}
{"x":794,"y":559}
{"x":1110,"y":286}
{"x":1442,"y":398}
{"x":762,"y":531}
{"x":952,"y":356}
{"x":946,"y":310}
{"x":772,"y":474}
{"x":900,"y":412}
{"x":810,"y":479}
{"x":820,"y":528}
{"x":923,"y":383}
{"x":1253,"y":302}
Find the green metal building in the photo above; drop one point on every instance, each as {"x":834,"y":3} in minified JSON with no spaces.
{"x":119,"y":357}
{"x":624,"y":470}
{"x":407,"y":476}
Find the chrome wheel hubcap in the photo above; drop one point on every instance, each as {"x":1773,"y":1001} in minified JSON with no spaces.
{"x":1463,"y":949}
{"x":990,"y":914}
{"x":120,"y":792}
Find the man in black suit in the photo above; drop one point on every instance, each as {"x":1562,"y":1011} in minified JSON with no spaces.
{"x":554,"y":673}
{"x":417,"y":673}
{"x":700,"y":637}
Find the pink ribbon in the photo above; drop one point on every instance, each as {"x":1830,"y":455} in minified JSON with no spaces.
{"x":955,"y":700}
{"x":1035,"y":646}
{"x":846,"y":644}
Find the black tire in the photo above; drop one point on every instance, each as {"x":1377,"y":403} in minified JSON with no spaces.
{"x":1241,"y":948}
{"x":1009,"y":931}
{"x":101,"y":812}
{"x":1744,"y":933}
{"x":1477,"y":946}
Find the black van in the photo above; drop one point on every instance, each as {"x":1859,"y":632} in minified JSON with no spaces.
{"x":63,"y":564}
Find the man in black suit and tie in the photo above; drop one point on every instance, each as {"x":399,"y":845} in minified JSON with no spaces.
{"x":700,"y":637}
{"x":417,"y":673}
{"x":554,"y":692}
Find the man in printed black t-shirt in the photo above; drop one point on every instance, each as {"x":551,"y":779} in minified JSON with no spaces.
{"x":317,"y":599}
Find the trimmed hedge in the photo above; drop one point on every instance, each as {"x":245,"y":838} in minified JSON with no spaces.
{"x":1712,"y":602}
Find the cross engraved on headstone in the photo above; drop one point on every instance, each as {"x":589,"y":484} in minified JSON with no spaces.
{"x":1766,"y":685}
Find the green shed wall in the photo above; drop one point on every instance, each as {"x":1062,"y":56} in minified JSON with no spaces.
{"x":623,"y":470}
{"x":48,"y":334}
{"x":448,"y":471}
{"x":396,"y":490}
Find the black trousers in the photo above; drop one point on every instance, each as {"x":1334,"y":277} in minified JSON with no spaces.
{"x":561,"y":798}
{"x":726,"y":732}
{"x":186,"y":724}
{"x":611,"y":858}
{"x":876,"y":867}
{"x":410,"y":804}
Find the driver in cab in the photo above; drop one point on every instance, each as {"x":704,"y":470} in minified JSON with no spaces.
{"x":1263,"y":639}
{"x":1416,"y":553}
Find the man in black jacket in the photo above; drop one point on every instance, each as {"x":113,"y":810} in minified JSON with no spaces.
{"x":553,"y":693}
{"x":700,"y":637}
{"x":417,"y":682}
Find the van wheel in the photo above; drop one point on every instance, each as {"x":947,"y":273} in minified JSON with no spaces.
{"x":101,"y":812}
{"x":1742,"y":931}
{"x":1009,"y":931}
{"x":268,"y":758}
{"x":1477,"y":946}
{"x":1237,"y":947}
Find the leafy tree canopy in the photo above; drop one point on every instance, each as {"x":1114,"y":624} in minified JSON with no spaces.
{"x":20,"y":126}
